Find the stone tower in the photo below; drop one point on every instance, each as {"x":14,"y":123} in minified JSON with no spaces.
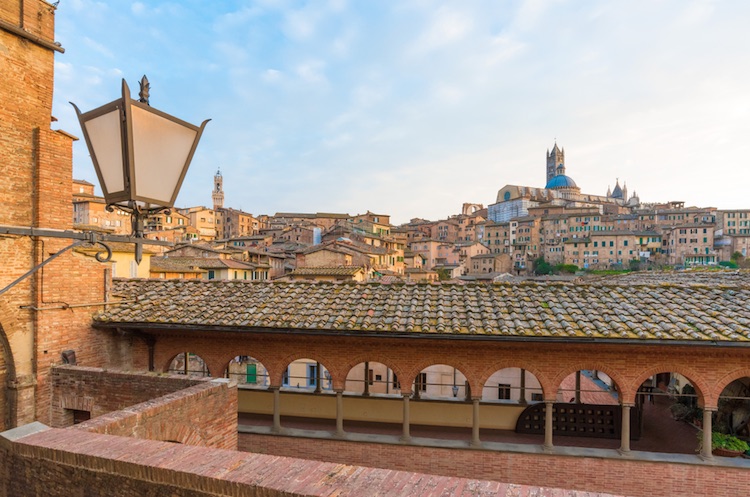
{"x":554,"y":159}
{"x":218,"y":193}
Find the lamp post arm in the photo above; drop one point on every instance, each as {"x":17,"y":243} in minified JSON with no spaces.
{"x":50,"y":259}
{"x":81,"y":238}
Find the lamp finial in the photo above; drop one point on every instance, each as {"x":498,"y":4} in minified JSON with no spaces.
{"x":145,"y":86}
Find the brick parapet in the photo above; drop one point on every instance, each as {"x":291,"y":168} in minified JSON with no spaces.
{"x":626,"y":476}
{"x":51,"y":462}
{"x":190,"y":411}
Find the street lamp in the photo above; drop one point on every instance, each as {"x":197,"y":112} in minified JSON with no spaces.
{"x":140,"y":155}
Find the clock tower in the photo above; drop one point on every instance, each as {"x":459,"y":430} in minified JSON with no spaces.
{"x":218,"y":193}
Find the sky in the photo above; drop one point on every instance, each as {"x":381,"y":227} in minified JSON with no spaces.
{"x":413,"y":107}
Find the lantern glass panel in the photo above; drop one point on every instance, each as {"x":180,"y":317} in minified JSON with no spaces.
{"x":105,"y":140}
{"x":161,"y":148}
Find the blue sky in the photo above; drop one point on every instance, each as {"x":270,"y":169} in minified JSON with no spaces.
{"x":413,"y":107}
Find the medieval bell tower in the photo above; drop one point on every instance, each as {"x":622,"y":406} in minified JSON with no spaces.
{"x":554,"y":159}
{"x":218,"y":193}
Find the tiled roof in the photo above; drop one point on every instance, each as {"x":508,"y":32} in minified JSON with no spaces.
{"x":559,"y":311}
{"x":686,"y":278}
{"x":327,"y":271}
{"x":190,"y":263}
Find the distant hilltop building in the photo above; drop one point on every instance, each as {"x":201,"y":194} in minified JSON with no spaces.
{"x":560,"y":190}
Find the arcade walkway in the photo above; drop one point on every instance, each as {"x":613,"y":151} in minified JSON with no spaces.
{"x":661,"y":433}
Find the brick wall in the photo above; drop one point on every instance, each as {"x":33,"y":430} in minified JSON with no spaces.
{"x":169,"y":408}
{"x":41,"y":317}
{"x":617,"y":476}
{"x":708,"y":368}
{"x":62,"y":462}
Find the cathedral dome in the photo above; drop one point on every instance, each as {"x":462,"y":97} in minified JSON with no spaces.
{"x":561,"y":181}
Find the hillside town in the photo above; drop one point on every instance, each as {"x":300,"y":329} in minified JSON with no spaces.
{"x":527,"y":230}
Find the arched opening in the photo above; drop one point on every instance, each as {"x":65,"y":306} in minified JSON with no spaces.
{"x":8,"y":399}
{"x":372,"y":378}
{"x":308,"y":376}
{"x":732,"y":417}
{"x":441,"y":381}
{"x":441,"y":404}
{"x":512,"y":386}
{"x":668,"y":414}
{"x":248,"y":372}
{"x":194,"y":366}
{"x":254,"y":402}
{"x":307,"y":400}
{"x":5,"y":414}
{"x":587,"y":411}
{"x":372,"y":400}
{"x":505,"y":396}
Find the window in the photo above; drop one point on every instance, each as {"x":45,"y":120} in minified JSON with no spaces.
{"x":503,"y":391}
{"x":396,"y":383}
{"x":80,"y":416}
{"x":537,"y":397}
{"x":312,"y":375}
{"x":421,"y":382}
{"x":285,"y":378}
{"x":133,"y":269}
{"x":211,"y":274}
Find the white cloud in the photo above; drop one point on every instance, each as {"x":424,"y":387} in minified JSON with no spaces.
{"x":446,"y":26}
{"x":311,"y":71}
{"x":138,"y":8}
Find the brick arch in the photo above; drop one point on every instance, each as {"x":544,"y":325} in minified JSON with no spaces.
{"x":411,"y":374}
{"x":620,"y":381}
{"x":175,"y":351}
{"x":357,"y":360}
{"x":275,"y":378}
{"x":9,"y":410}
{"x":224,"y":365}
{"x":175,"y":432}
{"x":493,"y":368}
{"x":692,"y":375}
{"x":725,"y":381}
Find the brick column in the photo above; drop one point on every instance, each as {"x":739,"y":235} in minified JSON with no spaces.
{"x":276,"y":409}
{"x":706,"y":453}
{"x":405,"y":436}
{"x":475,"y":442}
{"x":366,"y":391}
{"x":340,"y":413}
{"x":549,"y":404}
{"x":317,"y":378}
{"x":625,"y":430}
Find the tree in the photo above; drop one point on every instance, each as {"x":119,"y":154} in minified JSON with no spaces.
{"x":443,"y":274}
{"x":542,"y":267}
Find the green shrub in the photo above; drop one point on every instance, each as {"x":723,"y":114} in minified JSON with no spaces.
{"x":729,"y":264}
{"x":727,"y":442}
{"x":566,"y":268}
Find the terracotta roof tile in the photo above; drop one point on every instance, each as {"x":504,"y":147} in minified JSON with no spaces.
{"x":527,"y":310}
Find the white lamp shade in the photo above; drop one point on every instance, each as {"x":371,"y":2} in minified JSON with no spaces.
{"x":105,"y":145}
{"x":142,"y":159}
{"x":161,"y":150}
